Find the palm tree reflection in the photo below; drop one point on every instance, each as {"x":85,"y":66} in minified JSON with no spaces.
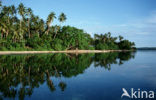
{"x":20,"y":74}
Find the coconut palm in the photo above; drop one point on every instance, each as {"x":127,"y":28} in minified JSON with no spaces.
{"x":35,"y":24}
{"x":6,"y":19}
{"x":50,"y":19}
{"x":16,"y":36}
{"x":21,"y":11}
{"x":3,"y":28}
{"x":2,"y":24}
{"x":41,"y":26}
{"x":62,"y":18}
{"x":120,"y":38}
{"x":13,"y":14}
{"x":13,"y":10}
{"x":29,"y":13}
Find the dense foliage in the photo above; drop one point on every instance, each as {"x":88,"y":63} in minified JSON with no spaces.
{"x":106,"y":41}
{"x":20,"y":29}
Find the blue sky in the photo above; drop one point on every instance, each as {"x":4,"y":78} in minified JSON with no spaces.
{"x":133,"y":19}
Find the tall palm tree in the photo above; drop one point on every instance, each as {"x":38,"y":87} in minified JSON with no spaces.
{"x":21,"y":11}
{"x":35,"y":25}
{"x":120,"y":38}
{"x":16,"y":36}
{"x":50,"y":19}
{"x":12,"y":19}
{"x":13,"y":10}
{"x":62,"y":18}
{"x":3,"y":27}
{"x":41,"y":27}
{"x":6,"y":19}
{"x":29,"y":13}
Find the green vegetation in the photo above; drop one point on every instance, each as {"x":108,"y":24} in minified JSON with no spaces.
{"x":108,"y":42}
{"x":21,"y":74}
{"x":20,"y":30}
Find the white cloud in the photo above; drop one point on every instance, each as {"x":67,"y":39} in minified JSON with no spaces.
{"x":144,"y":26}
{"x":152,"y":18}
{"x":142,"y":30}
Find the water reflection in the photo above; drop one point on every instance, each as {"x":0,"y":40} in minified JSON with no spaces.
{"x":20,"y":74}
{"x":105,"y":60}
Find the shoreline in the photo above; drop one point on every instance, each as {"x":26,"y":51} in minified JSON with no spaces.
{"x":68,"y":51}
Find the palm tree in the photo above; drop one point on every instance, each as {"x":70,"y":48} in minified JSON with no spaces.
{"x":50,"y":19}
{"x":120,"y":38}
{"x":36,"y":25}
{"x":6,"y":19}
{"x":62,"y":18}
{"x":13,"y":10}
{"x":41,"y":27}
{"x":3,"y":27}
{"x":29,"y":13}
{"x":2,"y":23}
{"x":12,"y":19}
{"x":21,"y":11}
{"x":13,"y":14}
{"x":16,"y":36}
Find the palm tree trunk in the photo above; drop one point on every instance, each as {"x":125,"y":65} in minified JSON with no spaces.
{"x":1,"y":35}
{"x":47,"y":30}
{"x":20,"y":25}
{"x":8,"y":21}
{"x":7,"y":32}
{"x":55,"y":35}
{"x":29,"y":27}
{"x":56,"y":32}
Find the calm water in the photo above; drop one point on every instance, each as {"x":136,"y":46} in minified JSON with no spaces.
{"x":76,"y":77}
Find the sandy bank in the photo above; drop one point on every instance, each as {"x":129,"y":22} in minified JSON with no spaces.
{"x":68,"y":51}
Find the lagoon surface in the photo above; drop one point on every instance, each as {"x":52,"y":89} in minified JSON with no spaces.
{"x":76,"y":76}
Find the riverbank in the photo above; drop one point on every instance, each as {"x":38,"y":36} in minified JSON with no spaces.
{"x":68,"y":51}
